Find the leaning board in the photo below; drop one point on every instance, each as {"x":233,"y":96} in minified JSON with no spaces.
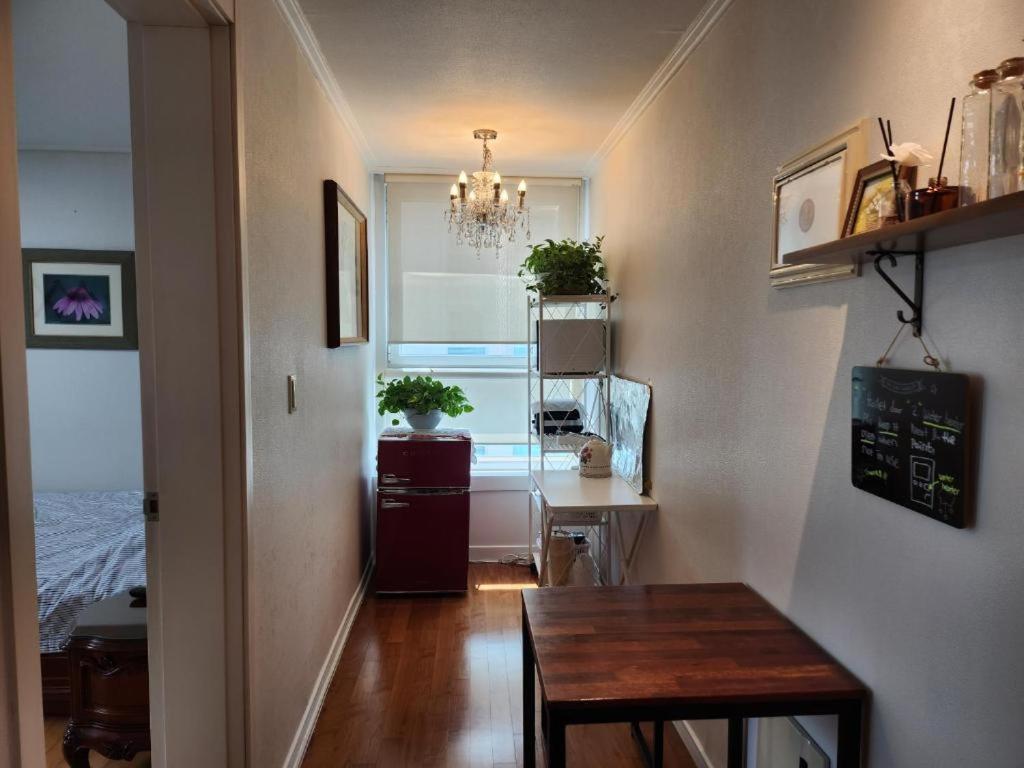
{"x":911,"y":440}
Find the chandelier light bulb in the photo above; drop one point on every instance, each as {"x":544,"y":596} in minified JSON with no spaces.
{"x":472,"y":194}
{"x":454,"y":192}
{"x":462,"y":178}
{"x":504,"y":196}
{"x":497,"y":179}
{"x":522,"y":186}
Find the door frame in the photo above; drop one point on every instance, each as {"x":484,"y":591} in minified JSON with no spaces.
{"x":187,"y":229}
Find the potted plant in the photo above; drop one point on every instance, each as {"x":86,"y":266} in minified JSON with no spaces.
{"x":571,"y":345}
{"x":565,"y":268}
{"x":423,"y":400}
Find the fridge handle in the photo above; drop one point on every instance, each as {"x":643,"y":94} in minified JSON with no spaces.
{"x":389,"y":479}
{"x":389,"y":504}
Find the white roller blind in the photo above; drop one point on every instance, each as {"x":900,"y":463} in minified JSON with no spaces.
{"x":439,"y":291}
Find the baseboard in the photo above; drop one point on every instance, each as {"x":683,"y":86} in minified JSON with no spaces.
{"x":693,"y":745}
{"x":323,"y":680}
{"x":493,"y":553}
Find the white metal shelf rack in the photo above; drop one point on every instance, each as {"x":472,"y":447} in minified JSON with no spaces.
{"x":585,"y":390}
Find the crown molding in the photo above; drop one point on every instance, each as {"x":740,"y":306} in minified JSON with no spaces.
{"x":310,"y":48}
{"x":697,"y":31}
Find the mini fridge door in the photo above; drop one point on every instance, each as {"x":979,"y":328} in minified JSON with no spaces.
{"x":422,"y":540}
{"x":423,"y":463}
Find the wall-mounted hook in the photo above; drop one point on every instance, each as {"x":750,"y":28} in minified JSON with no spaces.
{"x":917,"y":303}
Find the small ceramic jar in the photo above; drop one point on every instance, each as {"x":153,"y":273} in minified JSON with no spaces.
{"x":596,"y":458}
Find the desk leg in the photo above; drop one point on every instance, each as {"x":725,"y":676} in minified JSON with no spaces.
{"x":653,"y":756}
{"x":529,"y":698}
{"x":735,"y":759}
{"x":848,"y":750}
{"x":555,"y":742}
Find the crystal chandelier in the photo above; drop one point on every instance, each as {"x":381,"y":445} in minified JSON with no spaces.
{"x":480,"y":212}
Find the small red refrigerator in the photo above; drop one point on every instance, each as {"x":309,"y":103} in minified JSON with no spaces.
{"x":423,"y":510}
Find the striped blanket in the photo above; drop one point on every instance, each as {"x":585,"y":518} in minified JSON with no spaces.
{"x":89,"y":546}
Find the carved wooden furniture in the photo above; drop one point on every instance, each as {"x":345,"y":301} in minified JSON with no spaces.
{"x":56,"y":684}
{"x":107,"y":656}
{"x":675,"y":652}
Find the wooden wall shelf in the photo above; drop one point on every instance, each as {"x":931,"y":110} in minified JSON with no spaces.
{"x":989,"y":220}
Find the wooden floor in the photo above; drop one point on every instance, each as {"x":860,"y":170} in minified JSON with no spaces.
{"x":54,"y":733}
{"x":437,"y":681}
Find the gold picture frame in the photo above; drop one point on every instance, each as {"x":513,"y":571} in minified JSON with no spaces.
{"x":822,"y":180}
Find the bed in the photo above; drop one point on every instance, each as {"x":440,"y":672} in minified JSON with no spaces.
{"x":89,"y":546}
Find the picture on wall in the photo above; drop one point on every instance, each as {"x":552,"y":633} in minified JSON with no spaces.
{"x":348,"y":301}
{"x":80,"y":299}
{"x":810,"y":195}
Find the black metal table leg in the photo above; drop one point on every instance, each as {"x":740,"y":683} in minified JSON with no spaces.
{"x":848,"y":750}
{"x":735,"y":759}
{"x":556,"y":742}
{"x":654,"y":756}
{"x":529,"y":698}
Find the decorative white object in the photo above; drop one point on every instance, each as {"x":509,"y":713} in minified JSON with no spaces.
{"x":596,"y":458}
{"x":480,"y":211}
{"x":909,"y":154}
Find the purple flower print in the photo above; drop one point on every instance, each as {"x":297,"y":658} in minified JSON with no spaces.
{"x":78,"y":302}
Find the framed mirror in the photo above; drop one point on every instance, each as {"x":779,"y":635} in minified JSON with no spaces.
{"x":348,"y":299}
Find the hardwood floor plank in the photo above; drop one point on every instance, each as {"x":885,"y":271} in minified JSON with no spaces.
{"x":437,"y":681}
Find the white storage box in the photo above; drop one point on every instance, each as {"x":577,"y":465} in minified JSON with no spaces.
{"x":572,"y":346}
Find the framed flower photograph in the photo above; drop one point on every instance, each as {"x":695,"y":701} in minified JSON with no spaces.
{"x":80,"y":299}
{"x":810,"y":195}
{"x":348,"y":300}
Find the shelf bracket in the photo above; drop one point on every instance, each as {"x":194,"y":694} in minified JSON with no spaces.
{"x":917,"y":303}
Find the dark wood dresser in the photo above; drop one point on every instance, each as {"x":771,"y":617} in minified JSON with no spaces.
{"x":108,"y":660}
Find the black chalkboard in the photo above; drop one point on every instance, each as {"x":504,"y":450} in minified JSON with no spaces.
{"x":911,"y":440}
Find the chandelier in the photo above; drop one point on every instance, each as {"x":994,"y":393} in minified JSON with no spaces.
{"x":480,"y":212}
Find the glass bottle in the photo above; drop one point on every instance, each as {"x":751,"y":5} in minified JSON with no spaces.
{"x":974,"y":138}
{"x":1006,"y":165}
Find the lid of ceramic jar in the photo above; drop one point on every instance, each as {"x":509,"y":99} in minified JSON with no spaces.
{"x":1012,"y":67}
{"x":983,"y":80}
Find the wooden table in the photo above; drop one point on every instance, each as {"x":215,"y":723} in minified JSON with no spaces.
{"x":675,"y":652}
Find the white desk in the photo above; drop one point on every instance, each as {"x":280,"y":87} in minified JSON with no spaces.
{"x":568,"y":499}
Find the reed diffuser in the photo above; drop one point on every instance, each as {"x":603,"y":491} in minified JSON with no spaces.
{"x":938,"y":195}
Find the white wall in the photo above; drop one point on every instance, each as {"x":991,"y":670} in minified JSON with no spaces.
{"x":308,"y":521}
{"x":84,"y":405}
{"x":498,"y":513}
{"x":751,"y":408}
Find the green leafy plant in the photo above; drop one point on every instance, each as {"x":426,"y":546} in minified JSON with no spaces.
{"x":422,"y":394}
{"x":566,"y":268}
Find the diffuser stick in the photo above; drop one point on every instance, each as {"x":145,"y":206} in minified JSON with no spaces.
{"x":887,"y":141}
{"x":945,"y":141}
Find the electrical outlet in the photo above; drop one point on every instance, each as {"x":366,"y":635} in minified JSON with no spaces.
{"x":293,"y":404}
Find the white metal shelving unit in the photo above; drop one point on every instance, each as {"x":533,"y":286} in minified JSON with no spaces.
{"x":586,"y":391}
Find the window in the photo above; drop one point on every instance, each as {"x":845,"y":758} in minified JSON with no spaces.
{"x":462,"y":317}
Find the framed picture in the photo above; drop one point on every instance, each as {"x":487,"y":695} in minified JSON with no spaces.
{"x":873,"y":193}
{"x":810,"y":195}
{"x":348,"y":300}
{"x":80,"y":299}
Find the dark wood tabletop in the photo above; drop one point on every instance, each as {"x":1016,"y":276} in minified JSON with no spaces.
{"x":693,"y":650}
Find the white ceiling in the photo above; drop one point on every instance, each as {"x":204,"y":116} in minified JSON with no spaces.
{"x":71,"y":75}
{"x":551,"y":76}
